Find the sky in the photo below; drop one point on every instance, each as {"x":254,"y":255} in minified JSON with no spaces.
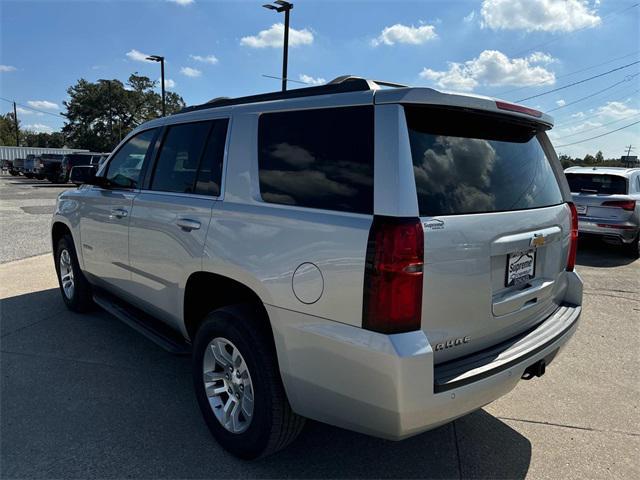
{"x":510,"y":49}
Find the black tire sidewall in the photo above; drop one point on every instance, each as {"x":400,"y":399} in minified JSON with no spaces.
{"x":252,"y":442}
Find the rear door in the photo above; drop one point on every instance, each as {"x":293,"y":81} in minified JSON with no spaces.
{"x":171,"y":215}
{"x":495,"y":226}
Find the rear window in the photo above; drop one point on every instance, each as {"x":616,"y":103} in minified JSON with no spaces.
{"x":468,"y":162}
{"x":597,"y":183}
{"x":318,"y":158}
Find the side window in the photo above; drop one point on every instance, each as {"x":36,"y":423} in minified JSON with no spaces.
{"x":638,"y":183}
{"x":124,"y":168}
{"x":318,"y":158}
{"x":177,"y":165}
{"x":210,"y":173}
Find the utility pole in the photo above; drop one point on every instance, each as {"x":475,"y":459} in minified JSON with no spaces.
{"x":15,"y":121}
{"x":283,"y":6}
{"x":627,"y":161}
{"x":108,"y":82}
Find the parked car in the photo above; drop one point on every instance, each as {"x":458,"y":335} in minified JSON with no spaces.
{"x":383,"y":260}
{"x":18,"y":166}
{"x":71,"y":160}
{"x":29,"y":166}
{"x":7,"y":166}
{"x":50,"y":167}
{"x":607,"y":200}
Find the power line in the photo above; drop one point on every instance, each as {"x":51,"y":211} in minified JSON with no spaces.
{"x":598,"y":136}
{"x":579,"y":82}
{"x":598,"y":127}
{"x":625,"y":79}
{"x":34,"y":109}
{"x":535,"y":47}
{"x":571,"y":73}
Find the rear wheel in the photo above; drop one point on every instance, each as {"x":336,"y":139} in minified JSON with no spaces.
{"x":74,"y":287}
{"x":238,"y":385}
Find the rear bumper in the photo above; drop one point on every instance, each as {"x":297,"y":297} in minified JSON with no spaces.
{"x":624,"y":232}
{"x":387,"y":385}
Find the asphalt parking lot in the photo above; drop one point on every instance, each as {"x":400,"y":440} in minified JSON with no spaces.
{"x":85,"y":396}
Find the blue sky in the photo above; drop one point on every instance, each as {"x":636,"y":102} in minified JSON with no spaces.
{"x":512,"y":49}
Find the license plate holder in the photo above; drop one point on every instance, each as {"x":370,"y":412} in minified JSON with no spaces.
{"x":521,"y":267}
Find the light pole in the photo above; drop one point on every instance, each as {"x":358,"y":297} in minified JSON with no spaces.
{"x":282,"y":6}
{"x":158,"y":58}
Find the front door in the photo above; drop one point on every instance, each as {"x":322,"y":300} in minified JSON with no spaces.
{"x":105,"y":214}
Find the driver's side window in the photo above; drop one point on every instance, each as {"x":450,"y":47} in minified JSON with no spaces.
{"x":124,"y":168}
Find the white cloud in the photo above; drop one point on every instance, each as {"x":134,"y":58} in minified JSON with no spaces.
{"x":561,"y":103}
{"x":168,"y":83}
{"x":310,"y":80}
{"x":190,"y":72}
{"x":138,"y":56}
{"x":399,"y":33}
{"x":541,"y":57}
{"x":538,"y":15}
{"x":469,"y":18}
{"x":182,"y":2}
{"x":491,"y":68}
{"x":44,"y":104}
{"x":38,"y":128}
{"x":26,"y":111}
{"x":616,"y":110}
{"x":210,"y":59}
{"x":7,"y":68}
{"x":274,"y":37}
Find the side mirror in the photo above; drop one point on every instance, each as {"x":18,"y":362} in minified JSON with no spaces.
{"x":85,"y":174}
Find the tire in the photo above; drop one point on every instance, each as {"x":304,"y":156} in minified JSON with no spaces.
{"x":79,"y":297}
{"x":272,"y":425}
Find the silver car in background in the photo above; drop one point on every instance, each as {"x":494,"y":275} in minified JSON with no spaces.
{"x":607,"y":200}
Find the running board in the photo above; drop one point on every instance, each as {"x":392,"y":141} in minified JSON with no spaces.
{"x":143,"y":323}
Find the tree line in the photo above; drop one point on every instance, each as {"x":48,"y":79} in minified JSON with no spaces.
{"x":98,"y":114}
{"x":592,"y":160}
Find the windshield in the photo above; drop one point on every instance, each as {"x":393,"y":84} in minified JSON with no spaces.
{"x":597,"y":183}
{"x":468,"y":162}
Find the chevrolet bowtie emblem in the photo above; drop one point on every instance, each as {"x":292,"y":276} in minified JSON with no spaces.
{"x":537,"y":240}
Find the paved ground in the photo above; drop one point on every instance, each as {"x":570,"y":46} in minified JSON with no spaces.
{"x":85,"y":396}
{"x":24,"y":206}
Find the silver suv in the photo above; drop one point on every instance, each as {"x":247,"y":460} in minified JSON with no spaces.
{"x":381,"y":259}
{"x":607,"y":200}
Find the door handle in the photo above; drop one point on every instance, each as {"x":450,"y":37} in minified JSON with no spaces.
{"x":187,"y":224}
{"x":118,"y":213}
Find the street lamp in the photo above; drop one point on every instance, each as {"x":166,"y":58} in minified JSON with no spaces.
{"x":158,"y":58}
{"x":282,"y":6}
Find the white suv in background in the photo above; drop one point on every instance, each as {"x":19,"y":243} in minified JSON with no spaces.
{"x":380,"y":259}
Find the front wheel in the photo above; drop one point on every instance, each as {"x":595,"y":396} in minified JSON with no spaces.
{"x":74,"y":287}
{"x":238,"y":385}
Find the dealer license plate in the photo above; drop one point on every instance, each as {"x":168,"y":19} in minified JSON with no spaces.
{"x":521,"y":267}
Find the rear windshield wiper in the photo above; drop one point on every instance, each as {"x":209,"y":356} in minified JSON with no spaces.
{"x":588,"y":190}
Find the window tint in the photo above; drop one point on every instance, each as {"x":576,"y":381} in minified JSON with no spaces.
{"x":597,"y":183}
{"x":124,"y":168}
{"x":466,"y":162}
{"x":318,"y":158}
{"x":177,"y":164}
{"x":210,"y":173}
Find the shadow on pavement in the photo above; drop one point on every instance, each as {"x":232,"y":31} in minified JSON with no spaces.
{"x":85,"y":396}
{"x":593,"y":252}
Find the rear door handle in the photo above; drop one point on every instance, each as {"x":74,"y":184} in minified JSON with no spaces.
{"x":118,"y":213}
{"x":187,"y":224}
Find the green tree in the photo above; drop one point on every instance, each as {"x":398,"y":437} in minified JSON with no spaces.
{"x":100,"y":114}
{"x":42,"y":139}
{"x":8,"y":129}
{"x":589,"y":159}
{"x":599,"y":157}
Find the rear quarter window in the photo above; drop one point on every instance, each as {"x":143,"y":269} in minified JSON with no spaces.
{"x":320,"y":158}
{"x":467,"y":162}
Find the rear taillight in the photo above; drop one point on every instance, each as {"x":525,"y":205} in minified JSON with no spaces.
{"x":573,"y":238}
{"x":393,"y":275}
{"x":628,"y":205}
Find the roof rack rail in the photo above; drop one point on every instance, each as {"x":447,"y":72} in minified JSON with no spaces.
{"x":342,"y":84}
